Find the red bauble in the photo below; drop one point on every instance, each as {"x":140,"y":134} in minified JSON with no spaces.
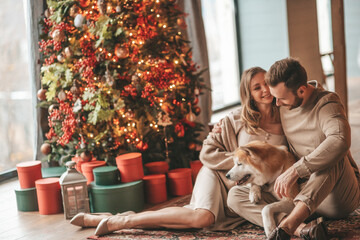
{"x":45,"y":148}
{"x":86,"y":156}
{"x":84,"y":3}
{"x":197,"y":111}
{"x":142,"y":146}
{"x":192,"y":146}
{"x":195,"y":101}
{"x":41,"y":94}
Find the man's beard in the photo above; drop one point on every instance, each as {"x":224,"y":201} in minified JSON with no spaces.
{"x":297,"y":102}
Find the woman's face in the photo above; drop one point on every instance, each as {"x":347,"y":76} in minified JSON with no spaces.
{"x":259,"y":90}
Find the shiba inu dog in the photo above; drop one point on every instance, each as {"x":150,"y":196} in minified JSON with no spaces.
{"x":257,"y":164}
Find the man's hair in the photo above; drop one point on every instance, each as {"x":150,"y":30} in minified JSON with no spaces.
{"x":289,"y":71}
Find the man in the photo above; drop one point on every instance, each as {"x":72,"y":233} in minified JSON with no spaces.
{"x":318,"y":133}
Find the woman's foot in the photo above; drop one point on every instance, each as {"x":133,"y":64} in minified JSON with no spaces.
{"x":111,"y":224}
{"x":93,"y":219}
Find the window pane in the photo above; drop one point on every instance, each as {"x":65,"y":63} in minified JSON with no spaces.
{"x":16,"y":121}
{"x":220,"y":29}
{"x":263,"y":32}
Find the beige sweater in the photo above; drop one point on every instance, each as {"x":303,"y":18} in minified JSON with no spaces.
{"x":233,"y":135}
{"x":318,"y":133}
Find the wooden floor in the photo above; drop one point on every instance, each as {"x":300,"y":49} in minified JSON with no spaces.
{"x":33,"y":226}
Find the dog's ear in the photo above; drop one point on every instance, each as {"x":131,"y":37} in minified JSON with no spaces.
{"x":247,"y":150}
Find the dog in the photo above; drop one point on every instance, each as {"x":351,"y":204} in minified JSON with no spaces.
{"x":257,"y":164}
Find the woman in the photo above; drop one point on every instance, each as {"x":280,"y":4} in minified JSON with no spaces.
{"x":258,"y":119}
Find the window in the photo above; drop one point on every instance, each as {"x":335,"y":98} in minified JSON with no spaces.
{"x":220,"y":30}
{"x":16,"y":119}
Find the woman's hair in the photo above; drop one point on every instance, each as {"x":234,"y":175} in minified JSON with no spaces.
{"x":250,"y":114}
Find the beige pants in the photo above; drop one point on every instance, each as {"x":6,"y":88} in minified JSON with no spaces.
{"x":332,"y":193}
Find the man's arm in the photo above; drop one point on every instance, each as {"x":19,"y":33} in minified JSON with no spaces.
{"x":336,"y":130}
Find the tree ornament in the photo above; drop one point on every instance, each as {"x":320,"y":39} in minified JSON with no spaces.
{"x":60,"y":58}
{"x":86,"y":156}
{"x":84,"y":3}
{"x":195,"y":101}
{"x":118,"y":9}
{"x":79,"y":21}
{"x":197,"y":111}
{"x":101,"y":6}
{"x":109,"y":78}
{"x":196,"y":91}
{"x":67,"y":52}
{"x":75,"y":90}
{"x":58,"y":35}
{"x":47,"y":13}
{"x":191,"y":117}
{"x":62,"y":95}
{"x":41,"y":94}
{"x":74,"y":10}
{"x":181,"y":22}
{"x":192,"y":146}
{"x":180,"y":130}
{"x":142,"y":146}
{"x":121,"y":52}
{"x":45,"y":148}
{"x":52,"y":108}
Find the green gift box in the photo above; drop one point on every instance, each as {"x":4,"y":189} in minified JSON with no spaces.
{"x":108,"y":175}
{"x":51,"y":172}
{"x":117,"y":198}
{"x":26,"y":199}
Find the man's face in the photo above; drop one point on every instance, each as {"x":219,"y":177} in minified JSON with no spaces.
{"x":285,"y":97}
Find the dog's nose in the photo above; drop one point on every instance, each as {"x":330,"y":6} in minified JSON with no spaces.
{"x":228,"y":176}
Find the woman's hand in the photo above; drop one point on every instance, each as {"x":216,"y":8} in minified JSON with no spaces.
{"x":285,"y":182}
{"x":217,"y":127}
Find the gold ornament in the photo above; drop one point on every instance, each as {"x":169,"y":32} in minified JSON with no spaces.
{"x":45,"y":148}
{"x":121,"y":52}
{"x":58,"y":35}
{"x":190,"y":117}
{"x":41,"y":94}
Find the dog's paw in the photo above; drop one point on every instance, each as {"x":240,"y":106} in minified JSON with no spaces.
{"x":255,"y":194}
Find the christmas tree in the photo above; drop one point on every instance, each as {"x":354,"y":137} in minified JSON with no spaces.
{"x":117,"y":76}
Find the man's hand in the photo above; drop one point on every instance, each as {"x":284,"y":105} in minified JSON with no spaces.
{"x":285,"y":182}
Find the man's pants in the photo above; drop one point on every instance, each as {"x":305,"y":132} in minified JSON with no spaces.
{"x":332,"y":193}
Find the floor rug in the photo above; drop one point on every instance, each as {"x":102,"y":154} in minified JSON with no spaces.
{"x":348,"y":229}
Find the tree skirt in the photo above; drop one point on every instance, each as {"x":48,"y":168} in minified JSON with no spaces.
{"x":348,"y":228}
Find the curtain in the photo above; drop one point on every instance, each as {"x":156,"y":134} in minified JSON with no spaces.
{"x":196,"y":35}
{"x":35,"y":9}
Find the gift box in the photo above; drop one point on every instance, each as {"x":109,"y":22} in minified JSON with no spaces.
{"x":195,"y":168}
{"x":117,"y":198}
{"x":49,"y":196}
{"x":88,"y":167}
{"x":51,"y":172}
{"x":130,"y":167}
{"x":26,"y":200}
{"x":180,"y":182}
{"x":155,"y":188}
{"x":159,"y":167}
{"x":107,"y":175}
{"x":28,"y":173}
